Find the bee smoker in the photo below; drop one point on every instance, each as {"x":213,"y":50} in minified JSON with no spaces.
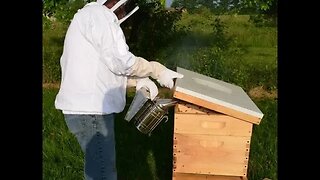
{"x":147,"y":114}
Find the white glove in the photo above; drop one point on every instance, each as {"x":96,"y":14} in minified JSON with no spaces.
{"x":166,"y":78}
{"x":149,"y":85}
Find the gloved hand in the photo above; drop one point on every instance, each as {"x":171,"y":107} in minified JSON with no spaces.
{"x":166,"y":78}
{"x":149,"y":85}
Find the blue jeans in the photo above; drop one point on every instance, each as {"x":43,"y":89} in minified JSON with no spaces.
{"x":95,"y":134}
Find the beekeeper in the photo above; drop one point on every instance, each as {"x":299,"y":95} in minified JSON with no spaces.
{"x":97,"y":67}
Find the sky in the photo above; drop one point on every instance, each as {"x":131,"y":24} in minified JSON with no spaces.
{"x":168,"y":3}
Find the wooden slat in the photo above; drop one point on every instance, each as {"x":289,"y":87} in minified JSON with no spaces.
{"x":214,"y":124}
{"x":216,"y":107}
{"x":187,"y":108}
{"x":188,"y":176}
{"x":207,"y":154}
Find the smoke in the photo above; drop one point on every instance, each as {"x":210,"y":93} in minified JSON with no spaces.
{"x":184,"y":52}
{"x":179,"y":54}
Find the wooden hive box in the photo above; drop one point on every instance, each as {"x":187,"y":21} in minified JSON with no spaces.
{"x":213,"y":123}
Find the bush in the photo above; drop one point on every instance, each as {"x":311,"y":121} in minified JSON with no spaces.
{"x":223,"y":59}
{"x":151,"y":29}
{"x":263,"y":20}
{"x":65,"y":12}
{"x":230,"y":67}
{"x":262,"y":75}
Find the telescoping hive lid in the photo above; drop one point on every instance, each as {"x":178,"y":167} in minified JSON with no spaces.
{"x":216,"y":95}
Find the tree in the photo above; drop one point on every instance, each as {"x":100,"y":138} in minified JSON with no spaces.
{"x":227,"y":6}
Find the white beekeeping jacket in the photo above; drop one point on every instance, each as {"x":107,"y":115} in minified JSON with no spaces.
{"x":94,"y":63}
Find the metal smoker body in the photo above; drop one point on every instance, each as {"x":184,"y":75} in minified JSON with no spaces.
{"x":148,"y":114}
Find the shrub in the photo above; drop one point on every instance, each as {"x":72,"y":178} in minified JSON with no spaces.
{"x":151,"y":29}
{"x":263,"y":20}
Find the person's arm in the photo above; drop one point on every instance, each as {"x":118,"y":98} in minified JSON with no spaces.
{"x":163,"y":75}
{"x":109,"y":38}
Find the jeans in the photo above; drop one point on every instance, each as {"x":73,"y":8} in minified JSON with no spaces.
{"x":95,"y":134}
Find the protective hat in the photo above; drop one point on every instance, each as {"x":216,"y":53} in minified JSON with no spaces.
{"x":117,"y":5}
{"x":101,"y":1}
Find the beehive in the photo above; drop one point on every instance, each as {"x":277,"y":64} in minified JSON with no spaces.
{"x":213,"y":123}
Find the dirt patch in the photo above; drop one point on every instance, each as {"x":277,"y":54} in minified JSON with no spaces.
{"x":260,"y":92}
{"x":51,"y":85}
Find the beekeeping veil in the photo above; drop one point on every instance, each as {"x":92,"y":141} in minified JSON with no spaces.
{"x":125,"y":5}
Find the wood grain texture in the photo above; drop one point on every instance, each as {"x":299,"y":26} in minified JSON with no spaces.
{"x":187,"y":108}
{"x":193,"y":119}
{"x":216,"y":107}
{"x":188,"y":176}
{"x":211,"y":124}
{"x":207,"y":154}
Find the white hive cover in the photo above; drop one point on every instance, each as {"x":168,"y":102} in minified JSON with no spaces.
{"x":216,"y":91}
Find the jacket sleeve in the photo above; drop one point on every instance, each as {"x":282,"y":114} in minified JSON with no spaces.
{"x":109,"y":40}
{"x":144,"y":68}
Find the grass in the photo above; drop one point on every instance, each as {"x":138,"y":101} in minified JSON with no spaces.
{"x":62,"y":156}
{"x":258,"y":43}
{"x":261,"y":56}
{"x":263,"y":159}
{"x":53,"y":37}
